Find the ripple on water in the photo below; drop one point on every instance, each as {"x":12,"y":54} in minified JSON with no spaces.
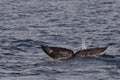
{"x":26,"y":24}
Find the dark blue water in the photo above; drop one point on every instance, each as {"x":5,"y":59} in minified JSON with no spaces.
{"x":26,"y":24}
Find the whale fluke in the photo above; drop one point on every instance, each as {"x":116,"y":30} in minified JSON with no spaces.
{"x":60,"y":53}
{"x":91,"y":52}
{"x":57,"y":52}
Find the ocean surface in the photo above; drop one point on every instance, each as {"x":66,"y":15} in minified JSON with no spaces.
{"x":27,"y":24}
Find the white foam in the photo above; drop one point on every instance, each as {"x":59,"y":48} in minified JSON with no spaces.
{"x":84,"y":44}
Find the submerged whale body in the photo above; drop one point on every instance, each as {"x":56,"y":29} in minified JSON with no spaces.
{"x":64,"y":53}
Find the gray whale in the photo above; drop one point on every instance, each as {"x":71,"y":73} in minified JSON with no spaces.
{"x":60,"y":53}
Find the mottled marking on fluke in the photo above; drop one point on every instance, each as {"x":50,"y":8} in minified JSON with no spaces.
{"x":91,"y":52}
{"x":60,"y":53}
{"x":57,"y":52}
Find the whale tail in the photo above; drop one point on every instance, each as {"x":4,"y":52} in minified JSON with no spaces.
{"x":57,"y":52}
{"x":91,"y":51}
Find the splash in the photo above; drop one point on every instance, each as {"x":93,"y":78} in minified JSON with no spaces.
{"x":83,"y":44}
